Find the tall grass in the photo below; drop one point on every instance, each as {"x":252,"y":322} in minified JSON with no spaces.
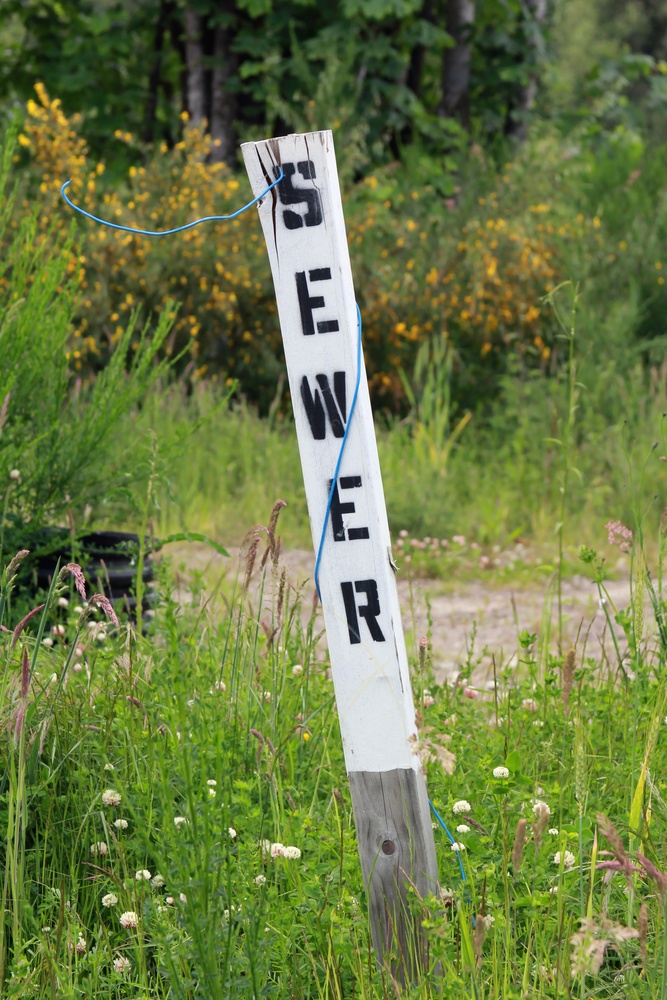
{"x":147,"y":781}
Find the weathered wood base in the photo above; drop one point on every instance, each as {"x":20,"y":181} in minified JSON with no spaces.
{"x":397,"y":851}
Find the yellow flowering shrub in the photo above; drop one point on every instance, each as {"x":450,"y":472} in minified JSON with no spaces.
{"x":423,"y":267}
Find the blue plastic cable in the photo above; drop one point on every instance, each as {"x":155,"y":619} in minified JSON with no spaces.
{"x":444,"y":827}
{"x":340,"y":458}
{"x":179,"y":229}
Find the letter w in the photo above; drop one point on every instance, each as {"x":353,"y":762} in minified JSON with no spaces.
{"x":316,"y":402}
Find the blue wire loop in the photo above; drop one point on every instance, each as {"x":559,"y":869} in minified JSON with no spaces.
{"x":327,"y":512}
{"x":179,"y":229}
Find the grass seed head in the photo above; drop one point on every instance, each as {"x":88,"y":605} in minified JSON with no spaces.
{"x":567,"y":677}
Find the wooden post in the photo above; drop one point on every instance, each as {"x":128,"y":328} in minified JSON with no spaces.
{"x":304,"y":228}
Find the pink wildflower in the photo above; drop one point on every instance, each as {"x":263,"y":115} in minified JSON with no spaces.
{"x":618,"y":534}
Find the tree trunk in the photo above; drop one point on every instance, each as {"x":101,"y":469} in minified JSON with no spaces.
{"x":517,"y":125}
{"x":455,"y":101}
{"x":154,"y":76}
{"x":224,"y":103}
{"x":194,"y":57}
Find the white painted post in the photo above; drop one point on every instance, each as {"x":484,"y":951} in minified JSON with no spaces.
{"x":304,"y":228}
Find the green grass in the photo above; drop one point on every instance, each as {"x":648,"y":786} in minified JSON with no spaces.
{"x":212,"y":696}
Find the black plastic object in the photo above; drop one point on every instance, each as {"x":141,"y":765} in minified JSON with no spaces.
{"x":108,"y":560}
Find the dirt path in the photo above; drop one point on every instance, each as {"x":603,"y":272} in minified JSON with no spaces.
{"x":476,"y":615}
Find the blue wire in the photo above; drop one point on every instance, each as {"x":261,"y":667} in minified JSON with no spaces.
{"x":179,"y":229}
{"x":442,"y":824}
{"x":340,"y":458}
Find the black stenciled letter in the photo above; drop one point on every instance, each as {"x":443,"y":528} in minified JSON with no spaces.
{"x":369,"y":611}
{"x":334,"y":402}
{"x":309,"y":302}
{"x":338,"y":509}
{"x":289,"y":195}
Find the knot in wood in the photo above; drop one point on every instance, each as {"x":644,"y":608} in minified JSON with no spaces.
{"x":388,"y":847}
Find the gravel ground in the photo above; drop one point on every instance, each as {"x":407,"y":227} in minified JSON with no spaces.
{"x":477,"y":615}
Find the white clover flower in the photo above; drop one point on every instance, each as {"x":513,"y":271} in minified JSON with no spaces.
{"x":260,"y":879}
{"x":179,"y":821}
{"x":120,"y":824}
{"x":297,"y":669}
{"x":462,"y":806}
{"x":99,"y":848}
{"x":568,"y":859}
{"x":457,"y":847}
{"x":293,"y":853}
{"x":541,"y":808}
{"x":183,"y":898}
{"x":462,"y":828}
{"x":211,"y":792}
{"x":553,"y":831}
{"x":15,"y":475}
{"x":501,"y":772}
{"x":489,"y":920}
{"x":266,"y":695}
{"x":110,"y":899}
{"x":232,"y":833}
{"x":122,"y":964}
{"x":48,"y":641}
{"x":129,"y":919}
{"x":169,"y":900}
{"x":265,"y":847}
{"x":157,"y":881}
{"x":219,"y":686}
{"x":143,"y":873}
{"x":277,"y":850}
{"x":530,"y":705}
{"x":63,"y":602}
{"x":109,"y":767}
{"x":211,"y":782}
{"x":111,"y":798}
{"x":81,"y":945}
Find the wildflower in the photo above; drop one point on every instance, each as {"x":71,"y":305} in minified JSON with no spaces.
{"x":81,"y":945}
{"x":277,"y":850}
{"x":292,"y":853}
{"x":519,"y":844}
{"x":490,"y":920}
{"x":122,"y":964}
{"x":120,"y":824}
{"x":529,"y":705}
{"x":553,"y":831}
{"x":459,"y":539}
{"x":540,"y":808}
{"x":110,"y":899}
{"x":469,"y":692}
{"x":457,"y":847}
{"x":129,"y":919}
{"x":297,"y":669}
{"x":211,"y":792}
{"x":143,"y":873}
{"x":211,"y":782}
{"x":111,"y":797}
{"x":157,"y":882}
{"x":501,"y":772}
{"x":169,"y":900}
{"x":260,"y":879}
{"x":15,"y":475}
{"x":462,"y":828}
{"x":567,"y":858}
{"x":266,"y":695}
{"x":265,"y":847}
{"x":232,"y":833}
{"x":462,"y":806}
{"x":99,"y":848}
{"x":179,"y":821}
{"x":427,"y":698}
{"x":183,"y":898}
{"x":48,"y":641}
{"x":618,"y":534}
{"x":219,"y":686}
{"x":63,"y":602}
{"x":109,"y":767}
